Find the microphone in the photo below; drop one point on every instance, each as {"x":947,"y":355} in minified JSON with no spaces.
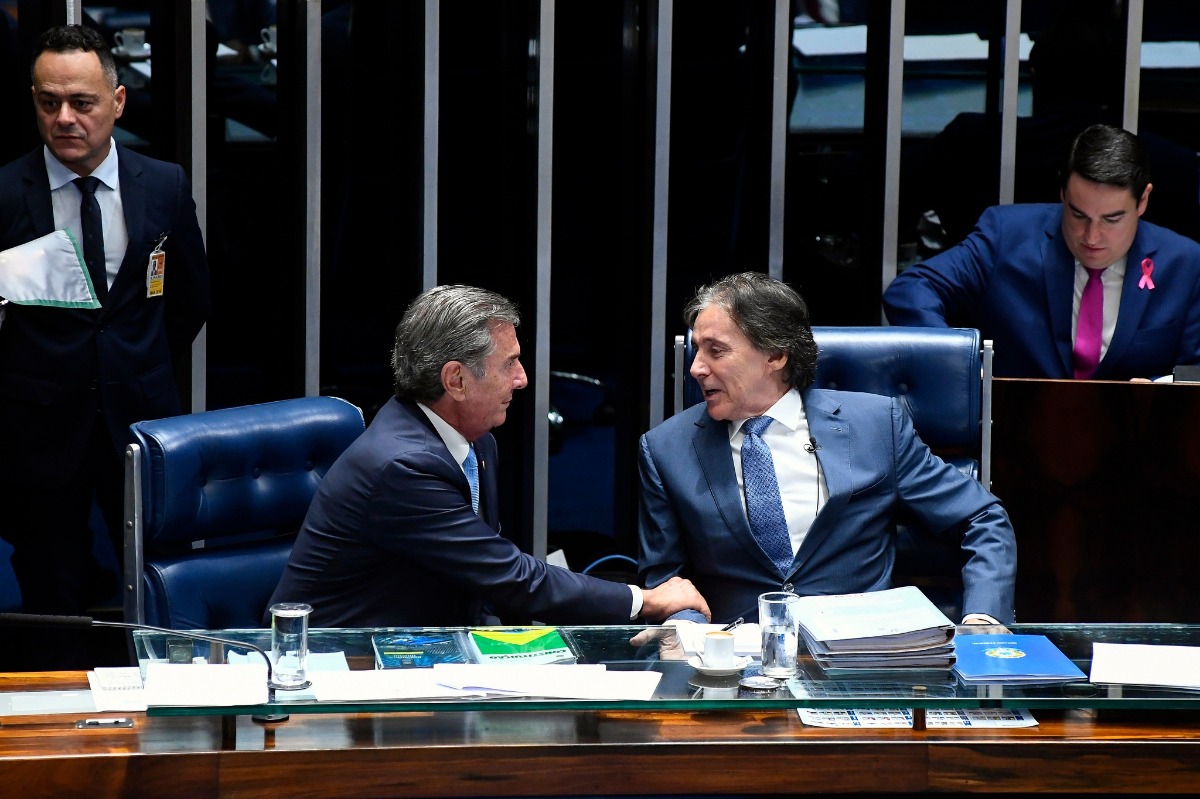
{"x":84,"y":622}
{"x":812,"y":446}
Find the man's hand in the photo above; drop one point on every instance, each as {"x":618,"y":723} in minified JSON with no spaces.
{"x":670,"y":647}
{"x":672,"y":596}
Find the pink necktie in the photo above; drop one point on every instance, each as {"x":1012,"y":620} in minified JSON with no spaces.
{"x":1090,"y":327}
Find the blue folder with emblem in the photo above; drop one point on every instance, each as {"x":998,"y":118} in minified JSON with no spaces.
{"x":1023,"y":659}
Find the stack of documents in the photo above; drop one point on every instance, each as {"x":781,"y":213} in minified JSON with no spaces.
{"x":894,"y":630}
{"x":1012,"y":659}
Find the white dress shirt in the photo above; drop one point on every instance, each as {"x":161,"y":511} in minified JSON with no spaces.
{"x":65,"y":197}
{"x":801,"y":481}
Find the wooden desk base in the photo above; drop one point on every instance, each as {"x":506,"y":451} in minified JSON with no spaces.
{"x":480,"y":754}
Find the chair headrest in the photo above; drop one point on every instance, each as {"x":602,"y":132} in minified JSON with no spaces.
{"x":239,"y":470}
{"x":936,"y":371}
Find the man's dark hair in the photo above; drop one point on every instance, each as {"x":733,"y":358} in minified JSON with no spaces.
{"x":770,"y":314}
{"x":69,"y":38}
{"x":444,"y":324}
{"x":1109,"y":155}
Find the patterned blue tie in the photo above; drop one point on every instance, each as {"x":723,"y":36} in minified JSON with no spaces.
{"x":471,"y":467}
{"x":764,"y":507}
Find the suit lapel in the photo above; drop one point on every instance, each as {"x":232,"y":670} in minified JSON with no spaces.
{"x":832,"y":431}
{"x":711,"y":444}
{"x":1059,"y":274}
{"x":489,"y":505}
{"x":1133,"y":300}
{"x":133,"y":200}
{"x":37,"y":195}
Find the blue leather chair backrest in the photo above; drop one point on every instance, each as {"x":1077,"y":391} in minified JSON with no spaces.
{"x":240,"y":480}
{"x":936,"y":372}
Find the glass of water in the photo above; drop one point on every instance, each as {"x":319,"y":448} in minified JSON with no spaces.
{"x":289,"y":645}
{"x":778,"y":620}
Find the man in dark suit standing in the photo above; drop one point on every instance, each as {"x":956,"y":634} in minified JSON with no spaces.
{"x":398,"y":534}
{"x":72,"y":381}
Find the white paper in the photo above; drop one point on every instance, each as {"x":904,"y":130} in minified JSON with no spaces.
{"x":577,"y":681}
{"x":747,"y":638}
{"x":1146,"y":664}
{"x":935,"y":718}
{"x":38,"y":703}
{"x":205,"y":685}
{"x":315,"y":661}
{"x":47,"y":271}
{"x":381,"y":685}
{"x":117,"y":688}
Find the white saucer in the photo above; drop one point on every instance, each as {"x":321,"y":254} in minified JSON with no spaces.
{"x":697,"y":663}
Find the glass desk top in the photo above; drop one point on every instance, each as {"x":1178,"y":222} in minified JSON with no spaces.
{"x":682,"y":687}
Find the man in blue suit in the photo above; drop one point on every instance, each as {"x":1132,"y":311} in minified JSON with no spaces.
{"x":847,"y":467}
{"x":72,"y":381}
{"x":392,"y":537}
{"x":1019,"y":277}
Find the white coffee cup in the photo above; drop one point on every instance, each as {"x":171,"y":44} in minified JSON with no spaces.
{"x":268,"y":37}
{"x":718,"y":650}
{"x":130,"y":40}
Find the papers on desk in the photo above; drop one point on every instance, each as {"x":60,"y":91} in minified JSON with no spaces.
{"x":205,"y":685}
{"x":1146,"y":664}
{"x":935,"y":718}
{"x":896,"y":629}
{"x":590,"y":681}
{"x":117,"y":688}
{"x":474,"y":680}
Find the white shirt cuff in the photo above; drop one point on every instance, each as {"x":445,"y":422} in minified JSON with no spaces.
{"x":978,"y":618}
{"x":637,"y":602}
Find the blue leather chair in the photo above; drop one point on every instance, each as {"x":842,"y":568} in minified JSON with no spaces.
{"x":213,"y":501}
{"x":944,"y":377}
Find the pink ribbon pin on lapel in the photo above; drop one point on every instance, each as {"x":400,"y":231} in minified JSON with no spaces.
{"x":1147,"y":271}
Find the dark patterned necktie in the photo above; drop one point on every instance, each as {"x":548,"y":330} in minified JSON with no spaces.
{"x":764,"y":507}
{"x":91,"y":227}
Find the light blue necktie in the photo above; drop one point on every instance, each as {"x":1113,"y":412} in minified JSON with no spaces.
{"x":764,"y":507}
{"x":471,"y":467}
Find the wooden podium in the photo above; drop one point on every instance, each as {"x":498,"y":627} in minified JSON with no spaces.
{"x":1102,"y":481}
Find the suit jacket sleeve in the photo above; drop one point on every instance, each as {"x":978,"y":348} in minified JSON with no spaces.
{"x":419,"y":493}
{"x":949,"y":503}
{"x":663,"y":552}
{"x":945,"y":289}
{"x":186,"y":283}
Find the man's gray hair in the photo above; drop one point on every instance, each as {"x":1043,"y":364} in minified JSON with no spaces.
{"x":444,"y":324}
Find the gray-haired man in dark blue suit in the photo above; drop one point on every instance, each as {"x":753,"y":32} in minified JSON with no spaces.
{"x":391,"y":537}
